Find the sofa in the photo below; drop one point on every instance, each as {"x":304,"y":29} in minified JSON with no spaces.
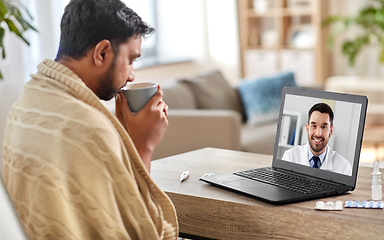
{"x":206,"y":111}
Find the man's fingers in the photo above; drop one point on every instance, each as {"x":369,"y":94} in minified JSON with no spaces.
{"x":157,"y":98}
{"x":165,"y":109}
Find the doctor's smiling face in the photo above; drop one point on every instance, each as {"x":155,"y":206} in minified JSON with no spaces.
{"x":319,"y":129}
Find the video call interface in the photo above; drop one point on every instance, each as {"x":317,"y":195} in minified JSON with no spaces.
{"x":293,"y":132}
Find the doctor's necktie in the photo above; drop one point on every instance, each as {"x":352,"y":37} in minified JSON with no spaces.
{"x":316,"y":162}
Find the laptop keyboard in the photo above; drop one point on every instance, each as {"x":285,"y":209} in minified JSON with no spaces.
{"x":280,"y":179}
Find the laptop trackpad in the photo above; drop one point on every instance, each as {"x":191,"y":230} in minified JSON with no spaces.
{"x":244,"y":183}
{"x":262,"y":190}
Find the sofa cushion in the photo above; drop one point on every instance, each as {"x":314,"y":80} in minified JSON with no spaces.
{"x":258,"y":139}
{"x":261,"y":96}
{"x":212,"y":91}
{"x":178,"y":95}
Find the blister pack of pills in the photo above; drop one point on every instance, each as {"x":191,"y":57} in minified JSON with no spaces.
{"x":329,"y":206}
{"x":364,"y":204}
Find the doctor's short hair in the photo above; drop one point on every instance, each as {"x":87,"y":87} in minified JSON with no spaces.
{"x":322,"y":108}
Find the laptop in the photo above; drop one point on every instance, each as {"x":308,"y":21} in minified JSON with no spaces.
{"x":292,"y":179}
{"x":10,"y":225}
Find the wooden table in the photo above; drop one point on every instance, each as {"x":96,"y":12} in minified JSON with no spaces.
{"x":205,"y":211}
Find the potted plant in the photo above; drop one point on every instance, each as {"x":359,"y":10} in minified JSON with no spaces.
{"x":11,"y":16}
{"x":368,"y":25}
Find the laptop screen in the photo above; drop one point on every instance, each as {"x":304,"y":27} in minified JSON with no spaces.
{"x":320,"y":133}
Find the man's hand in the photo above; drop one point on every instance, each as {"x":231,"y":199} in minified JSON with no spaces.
{"x":146,"y":127}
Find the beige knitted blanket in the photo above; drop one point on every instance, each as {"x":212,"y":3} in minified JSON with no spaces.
{"x":72,"y":170}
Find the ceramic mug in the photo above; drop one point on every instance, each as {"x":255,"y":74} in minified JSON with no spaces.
{"x":139,"y":94}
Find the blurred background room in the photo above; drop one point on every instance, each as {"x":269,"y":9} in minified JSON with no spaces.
{"x":241,"y":39}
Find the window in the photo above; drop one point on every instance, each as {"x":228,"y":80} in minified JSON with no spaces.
{"x":146,"y":9}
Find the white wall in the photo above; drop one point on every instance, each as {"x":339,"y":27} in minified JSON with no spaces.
{"x":223,"y":40}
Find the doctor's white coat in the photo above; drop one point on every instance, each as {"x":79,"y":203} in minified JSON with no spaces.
{"x":333,"y":161}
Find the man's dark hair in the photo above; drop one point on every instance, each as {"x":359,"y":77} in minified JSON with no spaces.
{"x":323,"y":108}
{"x":87,"y":22}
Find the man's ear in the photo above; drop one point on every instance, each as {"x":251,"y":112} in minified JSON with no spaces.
{"x":102,"y":53}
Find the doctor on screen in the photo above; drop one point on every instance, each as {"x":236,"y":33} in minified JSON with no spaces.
{"x":316,"y":153}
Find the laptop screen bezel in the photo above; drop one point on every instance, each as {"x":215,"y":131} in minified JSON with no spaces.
{"x":313,"y":172}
